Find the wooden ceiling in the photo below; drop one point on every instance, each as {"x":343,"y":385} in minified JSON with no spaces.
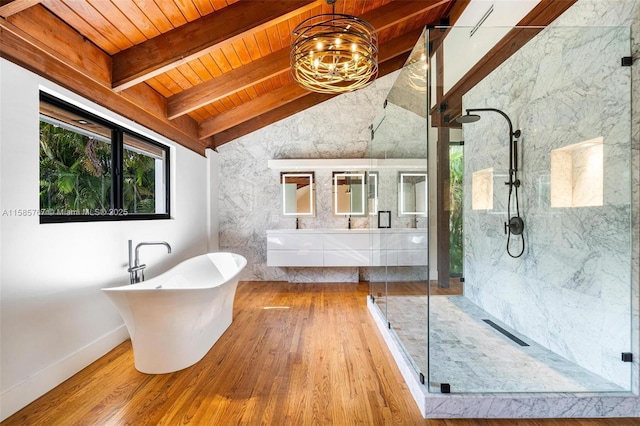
{"x":201,"y":72}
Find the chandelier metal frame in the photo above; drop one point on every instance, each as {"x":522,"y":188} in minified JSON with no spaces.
{"x":334,"y":53}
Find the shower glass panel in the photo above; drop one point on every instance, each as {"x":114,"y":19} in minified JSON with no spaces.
{"x":559,"y":317}
{"x":398,"y":147}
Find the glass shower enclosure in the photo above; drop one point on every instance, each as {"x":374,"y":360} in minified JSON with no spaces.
{"x":558,"y":317}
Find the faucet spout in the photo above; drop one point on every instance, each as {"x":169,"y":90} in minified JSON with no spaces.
{"x":134,"y":264}
{"x":150,"y":243}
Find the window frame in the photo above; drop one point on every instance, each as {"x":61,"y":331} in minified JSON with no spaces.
{"x":118,"y":132}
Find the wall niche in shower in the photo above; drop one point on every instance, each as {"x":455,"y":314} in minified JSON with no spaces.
{"x":577,"y":174}
{"x":482,"y":189}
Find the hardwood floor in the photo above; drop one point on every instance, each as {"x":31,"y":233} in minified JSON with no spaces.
{"x":296,"y":354}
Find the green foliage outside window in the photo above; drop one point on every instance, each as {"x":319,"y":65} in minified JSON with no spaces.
{"x":139,"y":182}
{"x":75,"y":171}
{"x":75,"y":174}
{"x":456,"y":167}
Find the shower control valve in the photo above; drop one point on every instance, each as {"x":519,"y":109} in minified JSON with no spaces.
{"x":515,"y":226}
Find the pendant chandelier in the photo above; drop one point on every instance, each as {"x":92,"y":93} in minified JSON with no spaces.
{"x":334,"y":53}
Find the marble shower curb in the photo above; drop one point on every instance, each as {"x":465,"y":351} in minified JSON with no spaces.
{"x":523,"y":405}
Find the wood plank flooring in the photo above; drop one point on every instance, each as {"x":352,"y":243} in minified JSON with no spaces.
{"x":296,"y":354}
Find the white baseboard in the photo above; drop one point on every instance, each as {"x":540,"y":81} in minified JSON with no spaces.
{"x":42,"y":382}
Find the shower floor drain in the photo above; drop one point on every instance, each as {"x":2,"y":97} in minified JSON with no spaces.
{"x":505,"y":332}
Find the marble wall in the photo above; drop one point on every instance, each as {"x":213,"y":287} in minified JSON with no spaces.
{"x":575,"y":289}
{"x":249,"y":192}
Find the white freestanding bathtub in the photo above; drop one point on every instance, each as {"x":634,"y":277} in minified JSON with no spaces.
{"x":175,"y":318}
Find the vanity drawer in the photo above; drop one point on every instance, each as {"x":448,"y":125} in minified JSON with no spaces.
{"x":294,"y":258}
{"x":346,"y":258}
{"x":282,"y":241}
{"x":347,"y":241}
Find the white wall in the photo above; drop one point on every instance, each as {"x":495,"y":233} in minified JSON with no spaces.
{"x":54,"y":318}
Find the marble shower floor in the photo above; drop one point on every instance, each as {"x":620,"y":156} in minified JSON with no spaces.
{"x":473,"y":357}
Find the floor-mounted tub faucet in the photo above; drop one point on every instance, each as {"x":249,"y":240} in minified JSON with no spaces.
{"x":136,"y":270}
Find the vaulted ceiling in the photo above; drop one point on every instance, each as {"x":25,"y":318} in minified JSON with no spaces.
{"x":206,"y":72}
{"x":201,"y":72}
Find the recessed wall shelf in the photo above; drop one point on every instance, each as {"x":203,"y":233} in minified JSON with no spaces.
{"x":577,"y":174}
{"x":482,"y":189}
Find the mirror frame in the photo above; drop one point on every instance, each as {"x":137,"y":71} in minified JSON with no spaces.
{"x":362,"y":176}
{"x":312,"y":198}
{"x":401,"y":211}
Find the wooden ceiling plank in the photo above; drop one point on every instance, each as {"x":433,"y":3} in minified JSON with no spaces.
{"x":156,"y":85}
{"x":218,"y":4}
{"x":210,"y":64}
{"x":201,"y":70}
{"x":251,"y":91}
{"x":231,"y":55}
{"x":119,"y":20}
{"x":285,"y":33}
{"x":274,"y":38}
{"x":259,"y":88}
{"x":98,"y":22}
{"x":188,"y":9}
{"x":138,"y":18}
{"x":221,"y":61}
{"x":180,"y":80}
{"x":11,"y":7}
{"x":191,"y":40}
{"x":251,"y":45}
{"x":21,"y":49}
{"x":263,"y":42}
{"x":242,"y":51}
{"x":168,"y":82}
{"x":277,"y":63}
{"x":189,"y":74}
{"x":80,"y":25}
{"x":154,"y":14}
{"x":173,"y":14}
{"x":204,"y":7}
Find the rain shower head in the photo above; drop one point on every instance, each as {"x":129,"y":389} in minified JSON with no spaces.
{"x":468,"y":118}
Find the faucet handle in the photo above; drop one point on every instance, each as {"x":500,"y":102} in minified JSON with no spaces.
{"x":136,"y":268}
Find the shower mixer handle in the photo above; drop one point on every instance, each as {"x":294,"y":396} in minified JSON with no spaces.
{"x":515,"y":226}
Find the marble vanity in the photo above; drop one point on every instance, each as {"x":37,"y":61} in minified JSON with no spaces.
{"x":347,"y":247}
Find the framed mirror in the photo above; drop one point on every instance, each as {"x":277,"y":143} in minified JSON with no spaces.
{"x":349,"y":193}
{"x":298,"y":193}
{"x":412,"y":194}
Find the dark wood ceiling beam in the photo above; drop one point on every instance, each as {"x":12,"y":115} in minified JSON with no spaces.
{"x":11,"y":7}
{"x":278,"y":62}
{"x":540,"y":16}
{"x":291,"y":108}
{"x":292,"y":91}
{"x":196,"y":38}
{"x":143,"y":104}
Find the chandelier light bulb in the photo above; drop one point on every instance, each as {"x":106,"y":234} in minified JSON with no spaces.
{"x":334,"y":53}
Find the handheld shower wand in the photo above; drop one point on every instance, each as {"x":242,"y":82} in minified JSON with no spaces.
{"x":515,"y":224}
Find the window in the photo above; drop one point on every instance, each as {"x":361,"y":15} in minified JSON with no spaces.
{"x":81,"y":157}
